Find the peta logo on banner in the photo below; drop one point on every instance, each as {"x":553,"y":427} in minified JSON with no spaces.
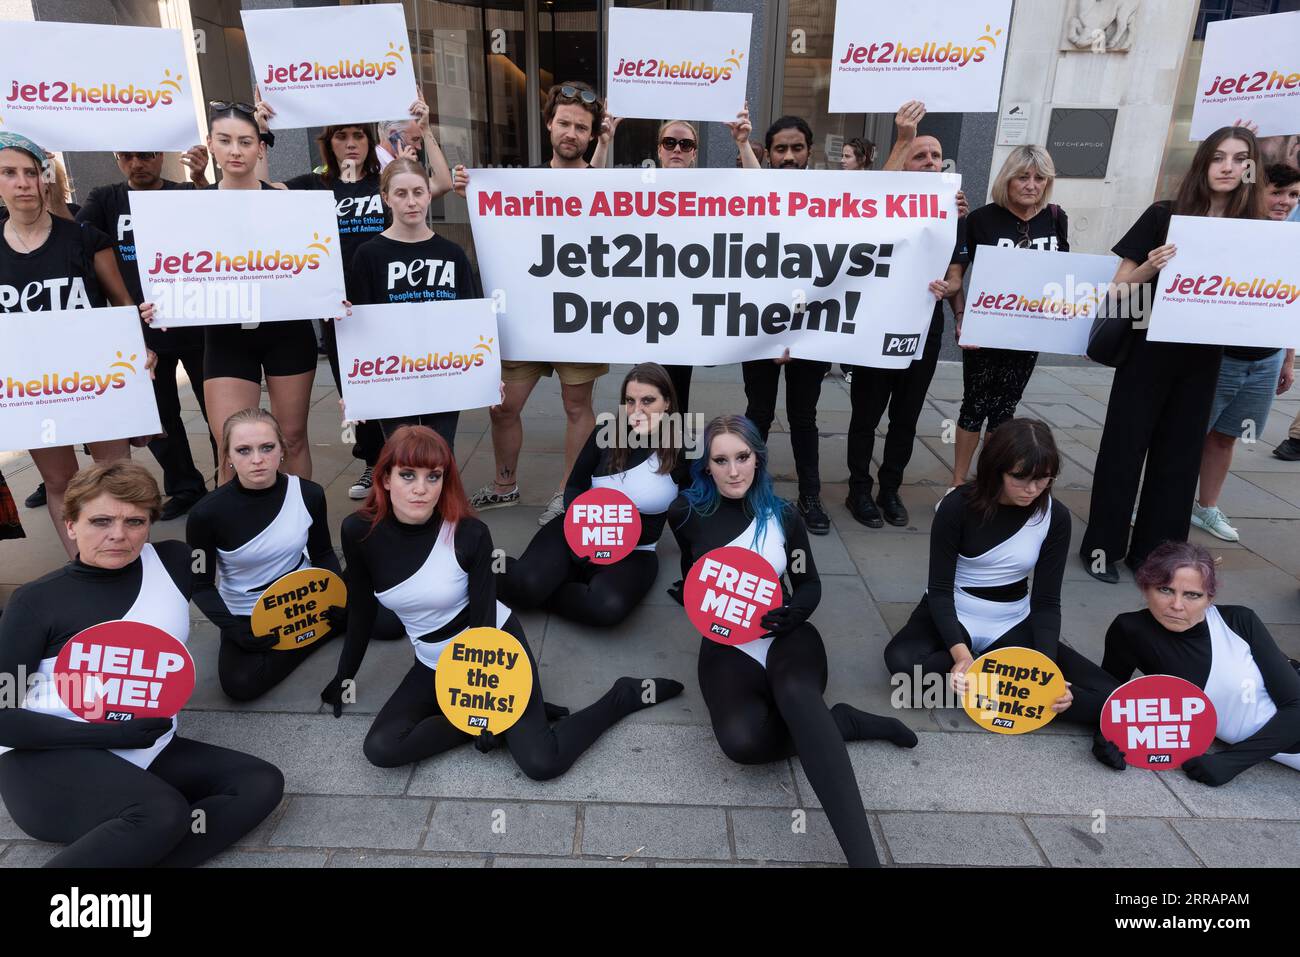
{"x":728,"y":592}
{"x":1159,"y":721}
{"x":900,"y":344}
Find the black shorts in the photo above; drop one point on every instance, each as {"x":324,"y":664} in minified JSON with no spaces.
{"x":273,"y":348}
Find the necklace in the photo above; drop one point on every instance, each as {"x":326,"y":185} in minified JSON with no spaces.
{"x":27,"y":247}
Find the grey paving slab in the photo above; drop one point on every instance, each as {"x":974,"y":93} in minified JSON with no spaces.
{"x":1272,"y":539}
{"x":377,"y":822}
{"x":1268,"y":790}
{"x":682,"y":832}
{"x":502,"y":827}
{"x":1272,"y":593}
{"x":270,"y":858}
{"x":796,"y":835}
{"x":993,"y":840}
{"x":1243,"y":499}
{"x":573,"y":862}
{"x":1285,"y":485}
{"x":29,"y":854}
{"x":1125,"y":842}
{"x":1009,"y":774}
{"x":8,"y":829}
{"x":893,"y":566}
{"x":377,"y":859}
{"x":1243,"y":843}
{"x":635,"y":763}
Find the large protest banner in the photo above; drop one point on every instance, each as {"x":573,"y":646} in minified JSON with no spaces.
{"x":1249,"y":72}
{"x":948,"y":55}
{"x":712,"y":266}
{"x":318,"y":66}
{"x":221,"y":256}
{"x":1234,"y":282}
{"x":690,"y":64}
{"x":82,"y":86}
{"x":74,"y":376}
{"x":1034,"y":300}
{"x":410,"y":358}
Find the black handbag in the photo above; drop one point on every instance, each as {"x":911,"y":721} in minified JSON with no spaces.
{"x":1111,"y":335}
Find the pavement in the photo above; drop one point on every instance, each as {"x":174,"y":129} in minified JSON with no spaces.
{"x":656,"y":791}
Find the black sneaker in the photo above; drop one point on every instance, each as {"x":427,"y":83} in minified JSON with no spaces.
{"x":176,"y":507}
{"x":892,"y":507}
{"x":37,"y":498}
{"x":1110,"y":575}
{"x":864,"y":510}
{"x":1288,"y":451}
{"x":814,"y":516}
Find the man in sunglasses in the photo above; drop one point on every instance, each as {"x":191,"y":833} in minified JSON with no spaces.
{"x":108,"y":209}
{"x":573,"y":116}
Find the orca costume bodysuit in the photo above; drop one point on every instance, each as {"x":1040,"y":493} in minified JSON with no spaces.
{"x":121,"y":794}
{"x":979,"y":595}
{"x":1232,"y":657}
{"x":765,"y":697}
{"x":438,"y":579}
{"x":249,"y":539}
{"x":549,"y":574}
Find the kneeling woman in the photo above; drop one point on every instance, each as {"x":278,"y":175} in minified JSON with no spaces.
{"x":415,"y":547}
{"x":765,"y":697}
{"x":120,"y":794}
{"x":246,"y":535}
{"x":989,"y":537}
{"x":1224,"y":650}
{"x":548,"y":574}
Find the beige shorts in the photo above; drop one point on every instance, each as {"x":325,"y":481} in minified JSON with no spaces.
{"x":570,"y":373}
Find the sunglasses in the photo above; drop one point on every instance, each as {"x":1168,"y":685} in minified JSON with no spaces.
{"x":220,"y":106}
{"x":573,"y":93}
{"x":670,"y":143}
{"x":1023,"y":230}
{"x":143,"y":157}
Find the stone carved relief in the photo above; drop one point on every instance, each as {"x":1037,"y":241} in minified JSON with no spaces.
{"x":1100,"y":26}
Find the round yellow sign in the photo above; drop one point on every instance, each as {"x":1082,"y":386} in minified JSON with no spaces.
{"x":291,"y":608}
{"x":1011,"y":690}
{"x":484,"y":680}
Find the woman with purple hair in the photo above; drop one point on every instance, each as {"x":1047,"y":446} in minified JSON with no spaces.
{"x":1225,"y":650}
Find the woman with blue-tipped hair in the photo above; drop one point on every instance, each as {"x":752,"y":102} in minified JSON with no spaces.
{"x":765,"y":696}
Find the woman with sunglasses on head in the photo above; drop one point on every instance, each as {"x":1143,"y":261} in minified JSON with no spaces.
{"x":234,"y":358}
{"x":416,"y":548}
{"x":50,"y":262}
{"x":246,"y":536}
{"x":765,"y":696}
{"x":1020,"y":216}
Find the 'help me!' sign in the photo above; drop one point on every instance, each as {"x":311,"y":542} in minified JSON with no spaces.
{"x":603,"y":525}
{"x":728,"y":592}
{"x":1159,"y":721}
{"x":121,"y":670}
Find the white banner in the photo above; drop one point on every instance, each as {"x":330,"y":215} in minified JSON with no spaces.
{"x":948,"y":55}
{"x":409,"y":358}
{"x":1249,"y":71}
{"x":74,"y":376}
{"x":219,"y":256}
{"x":81,"y":86}
{"x":318,"y":66}
{"x":1233,"y":282}
{"x":714,"y":265}
{"x":1034,"y":300}
{"x":677,"y":64}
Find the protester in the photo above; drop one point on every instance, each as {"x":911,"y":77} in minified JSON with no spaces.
{"x":858,"y":153}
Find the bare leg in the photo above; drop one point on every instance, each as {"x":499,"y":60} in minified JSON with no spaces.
{"x":225,"y":396}
{"x":508,"y":433}
{"x":967,"y":443}
{"x":581,"y":420}
{"x":1216,"y":459}
{"x":290,"y":400}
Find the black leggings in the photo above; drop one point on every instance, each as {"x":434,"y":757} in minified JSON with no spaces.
{"x":548,"y":575}
{"x":769,"y":714}
{"x":246,"y":675}
{"x":993,"y":381}
{"x":919,"y":643}
{"x":111,"y":813}
{"x":411,"y":727}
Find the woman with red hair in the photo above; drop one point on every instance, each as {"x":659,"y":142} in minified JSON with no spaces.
{"x":417,"y":548}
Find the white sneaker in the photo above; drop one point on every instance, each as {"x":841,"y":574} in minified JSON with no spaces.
{"x":1214,"y":521}
{"x":556,"y":507}
{"x":488,"y":497}
{"x":361,"y":487}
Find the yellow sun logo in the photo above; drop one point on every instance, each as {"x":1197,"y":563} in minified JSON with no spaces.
{"x":122,"y":363}
{"x":173,"y":81}
{"x":485,"y":344}
{"x":322,"y":244}
{"x":992,"y":41}
{"x":396,"y":52}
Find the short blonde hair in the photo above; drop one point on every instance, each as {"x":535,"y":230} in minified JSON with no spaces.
{"x":124,"y":480}
{"x":1020,"y":159}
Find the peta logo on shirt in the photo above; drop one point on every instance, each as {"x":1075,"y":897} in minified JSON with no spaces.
{"x":123,"y":226}
{"x":63,"y":293}
{"x":433,"y":273}
{"x":359,"y":206}
{"x":1043,"y":242}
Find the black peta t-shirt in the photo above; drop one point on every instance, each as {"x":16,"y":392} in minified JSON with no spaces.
{"x":58,"y":274}
{"x":385,"y":270}
{"x":108,"y":209}
{"x":359,"y":209}
{"x":995,"y":225}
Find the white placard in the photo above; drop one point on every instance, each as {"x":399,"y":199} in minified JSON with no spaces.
{"x":220,"y":256}
{"x":408,"y":358}
{"x":318,"y":66}
{"x":711,"y":266}
{"x":948,"y":55}
{"x":1233,"y":282}
{"x":1249,"y":71}
{"x":677,"y":64}
{"x":81,"y":86}
{"x":74,"y":376}
{"x":1034,"y":300}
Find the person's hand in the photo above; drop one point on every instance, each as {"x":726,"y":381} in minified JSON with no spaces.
{"x":420,"y":113}
{"x":333,"y":694}
{"x":908,"y":118}
{"x":263,"y":113}
{"x":783,"y":619}
{"x":336,"y":616}
{"x":963,"y":207}
{"x":243,"y":638}
{"x":1062,"y":704}
{"x":939,"y":288}
{"x":408,"y":152}
{"x":140,"y":732}
{"x":608,"y":127}
{"x":1209,"y":769}
{"x":1108,"y":752}
{"x":347,"y":311}
{"x":1286,"y":379}
{"x":784,"y":358}
{"x":1159,"y":257}
{"x":957,"y":673}
{"x":957,"y":335}
{"x":1252,"y":127}
{"x":741,"y":127}
{"x":459,"y":180}
{"x":147,"y":311}
{"x":195,"y":159}
{"x":150,"y":361}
